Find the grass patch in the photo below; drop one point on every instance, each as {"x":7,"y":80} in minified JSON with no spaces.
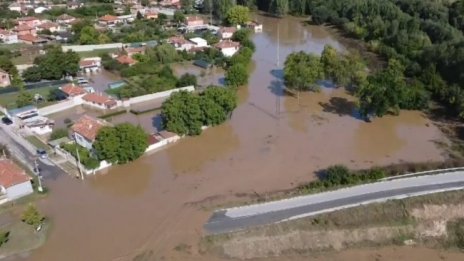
{"x":8,"y":100}
{"x":37,"y":142}
{"x":138,"y":112}
{"x":23,"y":238}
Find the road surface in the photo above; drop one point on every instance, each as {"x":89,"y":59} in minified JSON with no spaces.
{"x":240,"y":218}
{"x":25,"y":152}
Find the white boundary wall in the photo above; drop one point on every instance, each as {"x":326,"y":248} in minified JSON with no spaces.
{"x":93,"y":47}
{"x":154,"y":96}
{"x":61,"y":106}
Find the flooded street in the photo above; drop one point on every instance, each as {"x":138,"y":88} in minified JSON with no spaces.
{"x":161,"y":201}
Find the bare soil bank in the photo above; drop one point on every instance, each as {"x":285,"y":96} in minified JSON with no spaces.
{"x":423,"y":220}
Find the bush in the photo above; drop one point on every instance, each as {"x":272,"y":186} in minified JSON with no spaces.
{"x":58,"y":134}
{"x":31,"y":216}
{"x":4,"y":237}
{"x":456,"y":232}
{"x":86,"y":159}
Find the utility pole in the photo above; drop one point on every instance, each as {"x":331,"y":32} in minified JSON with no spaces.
{"x":37,"y":172}
{"x":78,"y":158}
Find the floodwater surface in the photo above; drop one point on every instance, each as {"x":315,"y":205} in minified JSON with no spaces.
{"x":159,"y":203}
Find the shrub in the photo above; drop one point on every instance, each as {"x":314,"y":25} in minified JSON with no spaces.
{"x":58,"y":134}
{"x":31,"y":216}
{"x":4,"y":237}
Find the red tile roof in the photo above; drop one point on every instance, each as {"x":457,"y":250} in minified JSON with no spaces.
{"x":6,"y":32}
{"x":27,"y":18}
{"x":87,"y":127}
{"x":47,"y":25}
{"x":23,"y":27}
{"x":178,"y":40}
{"x":11,"y":174}
{"x":124,"y":59}
{"x":99,"y":99}
{"x":28,"y":38}
{"x":227,"y":44}
{"x":72,"y":90}
{"x":193,"y":18}
{"x":108,"y":18}
{"x":227,"y":30}
{"x":152,"y":139}
{"x":64,"y":17}
{"x":88,"y":63}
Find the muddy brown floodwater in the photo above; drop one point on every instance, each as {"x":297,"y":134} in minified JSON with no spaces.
{"x":271,"y":143}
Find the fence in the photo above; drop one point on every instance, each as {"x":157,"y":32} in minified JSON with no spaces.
{"x":32,"y":86}
{"x":154,"y":96}
{"x":61,"y":106}
{"x":89,"y":48}
{"x":72,"y":160}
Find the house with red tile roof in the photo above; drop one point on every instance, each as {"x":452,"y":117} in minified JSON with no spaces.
{"x":24,"y":29}
{"x":192,"y":21}
{"x":30,"y":21}
{"x":65,"y":19}
{"x":125,"y":59}
{"x":180,"y":43}
{"x":228,"y":47}
{"x":151,"y":15}
{"x":14,"y":182}
{"x":100,"y":101}
{"x":108,"y":20}
{"x":71,"y":90}
{"x":226,"y":32}
{"x":85,"y":130}
{"x":52,"y":27}
{"x":31,"y":39}
{"x":92,"y":64}
{"x":4,"y":78}
{"x":8,"y":37}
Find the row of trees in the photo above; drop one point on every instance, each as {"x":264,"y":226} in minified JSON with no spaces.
{"x":302,"y":71}
{"x":185,"y":113}
{"x":238,"y":66}
{"x":53,"y":65}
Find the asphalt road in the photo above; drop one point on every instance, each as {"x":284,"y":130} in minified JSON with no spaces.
{"x":240,"y":218}
{"x":26,"y":155}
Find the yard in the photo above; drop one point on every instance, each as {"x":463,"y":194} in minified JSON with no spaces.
{"x":95,"y":53}
{"x":8,"y":100}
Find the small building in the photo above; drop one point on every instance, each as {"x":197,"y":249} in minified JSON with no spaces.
{"x":134,"y":50}
{"x":255,"y":26}
{"x":4,"y":78}
{"x":199,"y":42}
{"x":202,"y":64}
{"x":100,"y":101}
{"x":169,"y":136}
{"x":228,"y":47}
{"x":175,"y":3}
{"x":40,"y":9}
{"x":22,"y":114}
{"x":65,"y":19}
{"x":14,"y":182}
{"x":180,"y":43}
{"x":24,"y":29}
{"x":50,"y":26}
{"x":15,"y":7}
{"x":192,"y":21}
{"x":30,"y":21}
{"x":108,"y":20}
{"x":226,"y":32}
{"x":71,"y":90}
{"x":150,"y":15}
{"x":31,"y":39}
{"x":8,"y":37}
{"x":85,"y":130}
{"x":125,"y":59}
{"x":92,"y":64}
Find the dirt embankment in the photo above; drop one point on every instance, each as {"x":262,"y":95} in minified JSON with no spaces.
{"x":424,"y":220}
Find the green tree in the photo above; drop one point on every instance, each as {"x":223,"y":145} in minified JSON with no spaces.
{"x":32,"y":216}
{"x":330,"y":61}
{"x":32,"y":74}
{"x":132,"y":142}
{"x":24,"y":98}
{"x":237,"y":75}
{"x":4,"y":237}
{"x":55,"y":64}
{"x":213,"y":113}
{"x":59,"y":133}
{"x":220,"y":8}
{"x":106,"y":144}
{"x":225,"y":97}
{"x":187,"y":80}
{"x":89,"y":35}
{"x":302,"y":71}
{"x":179,"y":17}
{"x":182,"y":114}
{"x":238,"y":15}
{"x":164,"y":53}
{"x":279,"y":7}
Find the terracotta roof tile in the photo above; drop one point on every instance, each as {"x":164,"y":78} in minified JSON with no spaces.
{"x":124,"y":59}
{"x":99,"y":99}
{"x":108,"y":18}
{"x":88,"y":127}
{"x":11,"y":174}
{"x":227,"y":44}
{"x":73,"y":90}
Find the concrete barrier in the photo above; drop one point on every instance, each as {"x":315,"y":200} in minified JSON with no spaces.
{"x":61,"y":106}
{"x":154,"y":96}
{"x":92,"y":47}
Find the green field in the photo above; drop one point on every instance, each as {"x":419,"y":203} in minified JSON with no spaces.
{"x":8,"y":100}
{"x":96,"y":53}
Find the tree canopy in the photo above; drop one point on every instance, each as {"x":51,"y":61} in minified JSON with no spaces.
{"x":238,"y":15}
{"x":53,"y":65}
{"x":120,"y":144}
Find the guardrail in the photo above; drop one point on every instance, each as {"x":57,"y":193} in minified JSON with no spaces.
{"x":423,"y":173}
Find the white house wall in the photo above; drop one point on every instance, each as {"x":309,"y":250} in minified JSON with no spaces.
{"x":20,"y":190}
